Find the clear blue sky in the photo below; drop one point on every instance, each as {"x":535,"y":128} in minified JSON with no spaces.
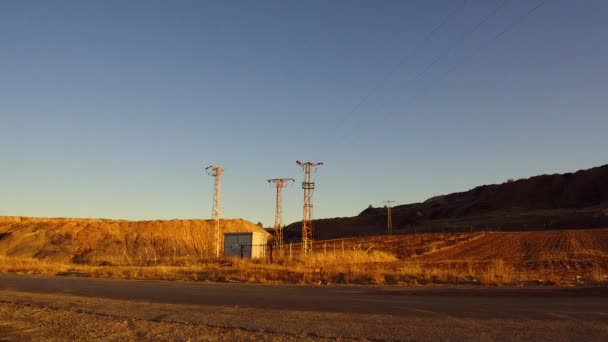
{"x":113,"y":108}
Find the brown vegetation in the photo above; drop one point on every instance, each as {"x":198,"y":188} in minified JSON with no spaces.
{"x":544,"y":257}
{"x":112,"y":242}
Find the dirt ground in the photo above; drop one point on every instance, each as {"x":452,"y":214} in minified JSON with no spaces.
{"x":58,"y":317}
{"x":35,"y":322}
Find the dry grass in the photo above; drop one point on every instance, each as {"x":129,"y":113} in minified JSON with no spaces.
{"x":31,"y":266}
{"x":113,"y":242}
{"x":547,"y":258}
{"x":402,"y":246}
{"x":497,"y":272}
{"x":368,"y":268}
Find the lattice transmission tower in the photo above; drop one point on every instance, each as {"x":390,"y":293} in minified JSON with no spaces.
{"x":216,"y":172}
{"x":279,"y":184}
{"x":309,"y":187}
{"x":389,"y":217}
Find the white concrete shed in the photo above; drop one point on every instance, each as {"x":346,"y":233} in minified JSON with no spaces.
{"x":247,"y":245}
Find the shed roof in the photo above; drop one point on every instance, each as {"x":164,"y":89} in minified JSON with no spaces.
{"x":243,"y":233}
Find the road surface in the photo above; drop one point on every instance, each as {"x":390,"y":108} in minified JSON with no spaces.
{"x":374,"y":313}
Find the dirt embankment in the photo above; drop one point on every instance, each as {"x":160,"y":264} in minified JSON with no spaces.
{"x":100,"y":241}
{"x":550,"y":202}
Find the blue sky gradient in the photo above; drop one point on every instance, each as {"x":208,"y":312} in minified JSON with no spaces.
{"x":113,"y":108}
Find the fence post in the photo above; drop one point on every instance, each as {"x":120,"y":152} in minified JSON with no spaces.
{"x":325,"y":247}
{"x":242,"y":251}
{"x":342,"y":248}
{"x":271,"y":253}
{"x":290,"y":251}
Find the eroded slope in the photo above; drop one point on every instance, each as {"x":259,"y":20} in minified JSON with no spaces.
{"x":100,"y":241}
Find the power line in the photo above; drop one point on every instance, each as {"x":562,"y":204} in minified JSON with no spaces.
{"x":440,"y":57}
{"x":530,"y":12}
{"x":481,"y":47}
{"x":394,"y":69}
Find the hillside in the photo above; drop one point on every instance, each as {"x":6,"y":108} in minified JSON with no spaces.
{"x":566,"y":246}
{"x":564,"y":257}
{"x":100,"y":241}
{"x":560,"y":201}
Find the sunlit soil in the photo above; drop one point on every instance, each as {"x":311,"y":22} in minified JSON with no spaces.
{"x":518,"y":258}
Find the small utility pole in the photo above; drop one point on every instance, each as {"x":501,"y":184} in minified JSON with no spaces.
{"x":279,"y":183}
{"x":309,"y":187}
{"x":216,"y":172}
{"x":389,"y":217}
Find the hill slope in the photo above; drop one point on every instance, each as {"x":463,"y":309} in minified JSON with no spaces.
{"x":540,"y":246}
{"x":99,"y":241}
{"x":566,"y":246}
{"x":559,"y":201}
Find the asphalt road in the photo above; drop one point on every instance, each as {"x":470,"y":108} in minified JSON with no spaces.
{"x":368,"y":312}
{"x":477,"y":302}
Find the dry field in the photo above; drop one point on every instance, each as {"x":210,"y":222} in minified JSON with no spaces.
{"x":402,"y":246}
{"x":159,"y":250}
{"x":565,"y":257}
{"x":538,"y":246}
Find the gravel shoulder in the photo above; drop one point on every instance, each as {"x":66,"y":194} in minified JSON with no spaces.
{"x":58,"y":317}
{"x":36,"y":317}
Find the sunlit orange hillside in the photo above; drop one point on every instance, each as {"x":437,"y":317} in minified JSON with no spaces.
{"x":99,"y":241}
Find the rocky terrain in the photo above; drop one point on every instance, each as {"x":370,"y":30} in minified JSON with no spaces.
{"x":560,"y":201}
